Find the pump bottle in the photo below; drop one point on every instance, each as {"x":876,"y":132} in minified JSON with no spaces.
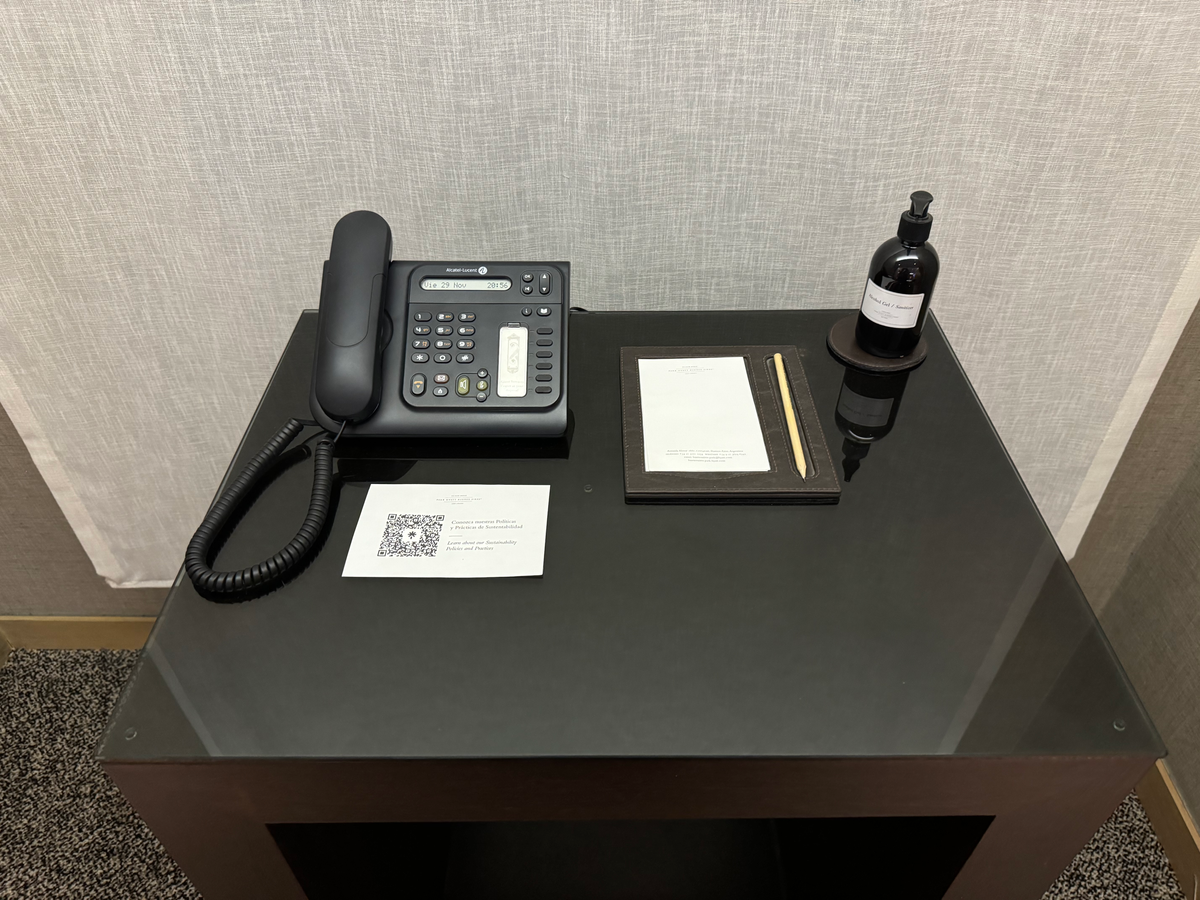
{"x":899,"y":285}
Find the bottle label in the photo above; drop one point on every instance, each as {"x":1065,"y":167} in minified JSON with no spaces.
{"x":888,"y":308}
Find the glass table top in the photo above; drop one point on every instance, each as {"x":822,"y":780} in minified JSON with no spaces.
{"x":928,"y":613}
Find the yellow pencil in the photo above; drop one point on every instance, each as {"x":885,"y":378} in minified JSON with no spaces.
{"x":793,"y":430}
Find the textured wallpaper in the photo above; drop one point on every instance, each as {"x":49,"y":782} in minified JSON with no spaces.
{"x":170,"y":174}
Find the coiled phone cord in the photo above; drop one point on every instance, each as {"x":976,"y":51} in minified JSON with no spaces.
{"x":224,"y":586}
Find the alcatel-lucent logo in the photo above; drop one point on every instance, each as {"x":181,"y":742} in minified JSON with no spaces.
{"x":482,"y":270}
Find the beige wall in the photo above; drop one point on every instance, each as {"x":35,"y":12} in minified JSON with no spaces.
{"x":43,"y":569}
{"x":1139,"y":561}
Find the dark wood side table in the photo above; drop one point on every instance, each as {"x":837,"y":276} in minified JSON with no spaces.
{"x":904,"y":693}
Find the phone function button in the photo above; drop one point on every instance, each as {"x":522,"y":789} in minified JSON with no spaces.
{"x":466,"y":329}
{"x":545,"y":342}
{"x":418,"y":385}
{"x":466,"y":345}
{"x":527,"y":277}
{"x":482,"y":373}
{"x":544,"y":283}
{"x":545,"y":331}
{"x":463,"y":385}
{"x":445,"y":317}
{"x":420,"y":345}
{"x":543,"y":389}
{"x":420,"y":357}
{"x":443,"y":344}
{"x":545,"y":354}
{"x":440,"y":391}
{"x":543,"y":377}
{"x":422,"y":317}
{"x":441,"y":378}
{"x":481,"y":397}
{"x":527,"y":311}
{"x":544,"y":310}
{"x":464,"y":358}
{"x":481,"y":385}
{"x":545,"y":365}
{"x":466,"y":317}
{"x":527,"y":289}
{"x":421,"y":329}
{"x":442,"y":358}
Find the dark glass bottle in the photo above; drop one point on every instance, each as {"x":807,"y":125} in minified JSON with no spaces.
{"x":899,"y":285}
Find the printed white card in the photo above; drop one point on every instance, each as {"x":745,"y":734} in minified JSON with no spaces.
{"x":698,"y":415}
{"x":450,"y":531}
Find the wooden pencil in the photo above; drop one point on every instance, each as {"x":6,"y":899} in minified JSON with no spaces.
{"x":793,"y":429}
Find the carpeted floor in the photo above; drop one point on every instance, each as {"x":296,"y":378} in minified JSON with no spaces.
{"x":65,"y":831}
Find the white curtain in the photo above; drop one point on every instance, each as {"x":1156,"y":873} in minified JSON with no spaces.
{"x":170,"y":174}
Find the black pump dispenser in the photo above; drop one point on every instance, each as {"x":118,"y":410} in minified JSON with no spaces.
{"x":916,"y":223}
{"x":899,"y":285}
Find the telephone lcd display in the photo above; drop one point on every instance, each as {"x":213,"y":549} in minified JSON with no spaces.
{"x":465,"y":284}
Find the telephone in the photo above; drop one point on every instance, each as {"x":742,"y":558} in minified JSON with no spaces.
{"x":437,"y":349}
{"x":408,"y":349}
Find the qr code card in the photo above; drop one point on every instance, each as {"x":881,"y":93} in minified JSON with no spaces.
{"x":450,"y":531}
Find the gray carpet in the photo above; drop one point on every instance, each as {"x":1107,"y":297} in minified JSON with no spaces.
{"x":66,"y":832}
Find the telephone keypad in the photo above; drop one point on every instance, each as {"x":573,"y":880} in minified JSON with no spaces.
{"x":470,"y":332}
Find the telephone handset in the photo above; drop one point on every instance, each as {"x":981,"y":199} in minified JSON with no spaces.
{"x":408,"y":349}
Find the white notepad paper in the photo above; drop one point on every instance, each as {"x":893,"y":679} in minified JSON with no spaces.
{"x":450,"y":531}
{"x":698,"y":415}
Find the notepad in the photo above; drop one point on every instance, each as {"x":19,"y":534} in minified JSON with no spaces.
{"x":698,"y":415}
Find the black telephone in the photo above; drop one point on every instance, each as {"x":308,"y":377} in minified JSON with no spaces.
{"x":408,"y":349}
{"x":437,"y":349}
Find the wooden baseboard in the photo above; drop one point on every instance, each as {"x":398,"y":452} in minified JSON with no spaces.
{"x":1174,"y":825}
{"x":74,"y":632}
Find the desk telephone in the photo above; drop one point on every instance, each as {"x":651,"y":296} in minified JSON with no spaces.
{"x":408,"y":349}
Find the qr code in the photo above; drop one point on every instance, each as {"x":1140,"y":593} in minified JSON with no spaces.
{"x":407,"y":535}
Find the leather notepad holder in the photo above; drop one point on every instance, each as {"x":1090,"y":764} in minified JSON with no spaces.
{"x":782,"y":484}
